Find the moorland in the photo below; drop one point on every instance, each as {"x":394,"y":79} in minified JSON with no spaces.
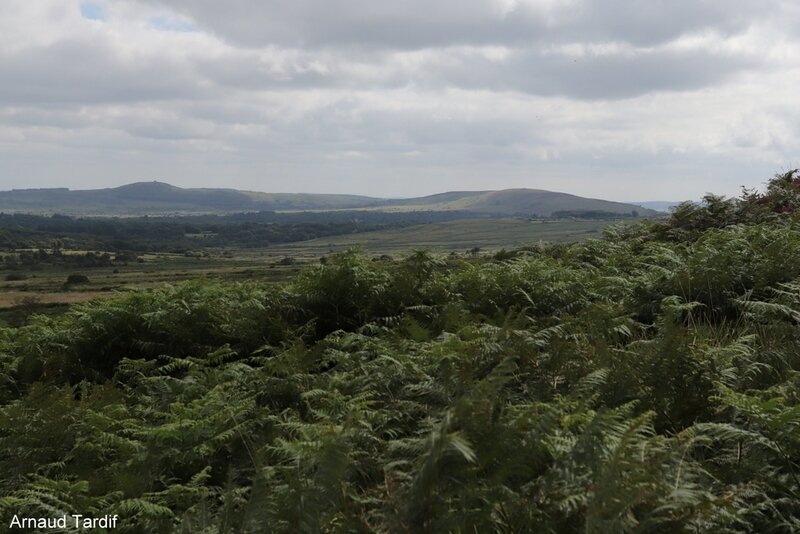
{"x":593,"y":374}
{"x":149,"y":233}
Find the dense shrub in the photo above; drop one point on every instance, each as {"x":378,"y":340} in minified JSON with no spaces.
{"x":77,"y":279}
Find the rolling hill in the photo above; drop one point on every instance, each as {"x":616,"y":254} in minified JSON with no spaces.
{"x":513,"y":202}
{"x":161,"y":198}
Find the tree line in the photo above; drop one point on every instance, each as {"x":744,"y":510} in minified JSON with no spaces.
{"x":181,"y":233}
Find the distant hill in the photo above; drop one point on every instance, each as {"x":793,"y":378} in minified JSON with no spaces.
{"x":516,"y":202}
{"x":158,"y":198}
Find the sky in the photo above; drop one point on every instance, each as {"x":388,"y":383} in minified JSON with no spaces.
{"x":614,"y":99}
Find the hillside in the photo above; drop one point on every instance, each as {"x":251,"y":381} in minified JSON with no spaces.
{"x":161,"y":198}
{"x":516,"y":202}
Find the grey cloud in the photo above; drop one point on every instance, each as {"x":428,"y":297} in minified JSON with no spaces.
{"x":526,"y":70}
{"x":596,"y":77}
{"x":76,"y":72}
{"x":274,"y":69}
{"x":82,"y":71}
{"x":421,"y":23}
{"x":27,"y":117}
{"x":364,"y":23}
{"x":91,"y":71}
{"x":351,"y":44}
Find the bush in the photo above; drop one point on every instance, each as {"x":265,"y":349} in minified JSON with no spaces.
{"x":15,"y":277}
{"x":77,"y":279}
{"x":343,"y":293}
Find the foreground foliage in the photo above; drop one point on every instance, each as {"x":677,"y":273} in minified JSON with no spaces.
{"x":645,"y":382}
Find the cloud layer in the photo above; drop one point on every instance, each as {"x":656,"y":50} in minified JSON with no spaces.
{"x":611,"y":99}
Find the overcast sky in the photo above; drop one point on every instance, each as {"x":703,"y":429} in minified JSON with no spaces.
{"x":616,"y":99}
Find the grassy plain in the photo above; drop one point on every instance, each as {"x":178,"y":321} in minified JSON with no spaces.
{"x":461,"y":235}
{"x":45,"y":289}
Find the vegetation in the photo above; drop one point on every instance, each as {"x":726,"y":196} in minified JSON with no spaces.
{"x":593,"y":214}
{"x":46,"y":240}
{"x":643,"y":382}
{"x":174,"y":234}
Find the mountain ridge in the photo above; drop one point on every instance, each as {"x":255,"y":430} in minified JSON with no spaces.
{"x":162,"y":198}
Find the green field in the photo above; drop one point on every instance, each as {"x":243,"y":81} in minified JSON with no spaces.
{"x":44,"y":289}
{"x":487,"y":234}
